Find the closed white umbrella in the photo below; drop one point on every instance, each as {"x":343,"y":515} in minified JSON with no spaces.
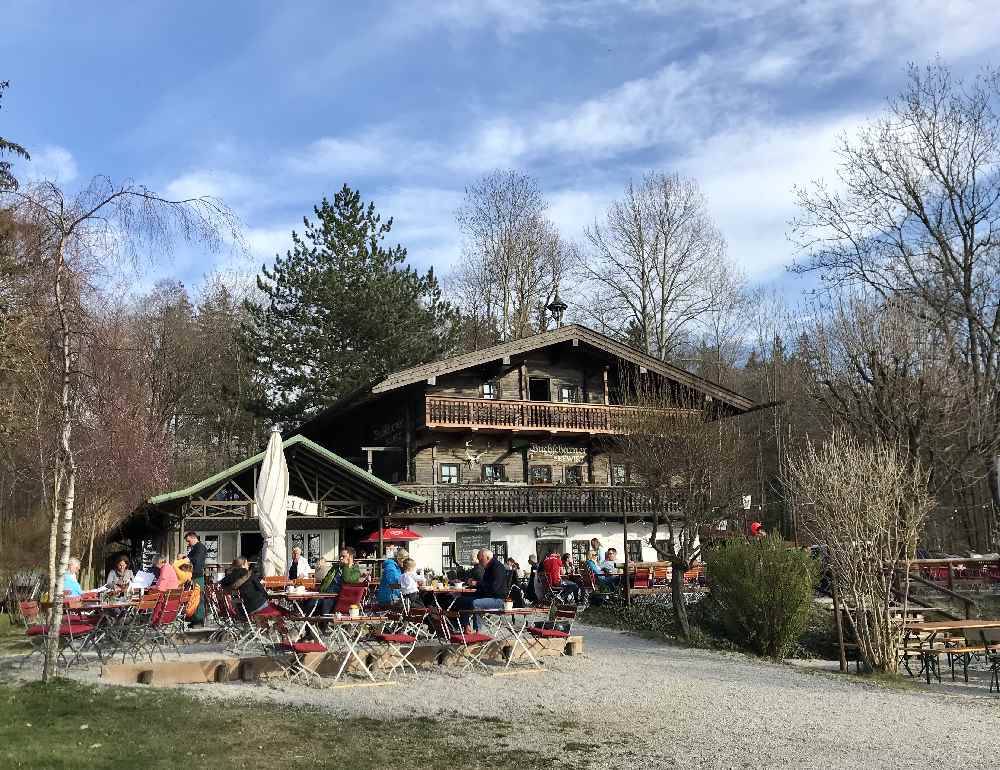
{"x":271,"y":496}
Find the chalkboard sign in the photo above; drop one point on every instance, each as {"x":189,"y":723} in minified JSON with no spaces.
{"x":468,"y":541}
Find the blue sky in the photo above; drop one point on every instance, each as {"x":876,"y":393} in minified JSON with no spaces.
{"x":271,"y":106}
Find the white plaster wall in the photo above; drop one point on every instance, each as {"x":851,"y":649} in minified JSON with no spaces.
{"x":521,"y":539}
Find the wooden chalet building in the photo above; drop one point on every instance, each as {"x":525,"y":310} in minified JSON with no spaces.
{"x":513,"y":445}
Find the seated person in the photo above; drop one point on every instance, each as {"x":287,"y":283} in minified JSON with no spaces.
{"x":346,"y":571}
{"x":567,"y":564}
{"x":491,"y":590}
{"x":251,"y":591}
{"x":71,"y":583}
{"x":603,"y":581}
{"x":552,"y":568}
{"x":322,"y":568}
{"x":388,"y":586}
{"x":167,"y":580}
{"x":409,"y":583}
{"x":119,"y":577}
{"x":609,"y":566}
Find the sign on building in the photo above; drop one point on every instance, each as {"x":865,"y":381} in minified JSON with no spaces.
{"x":468,"y":541}
{"x":553,"y":532}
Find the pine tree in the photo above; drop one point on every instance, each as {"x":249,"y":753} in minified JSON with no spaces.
{"x":340,"y":310}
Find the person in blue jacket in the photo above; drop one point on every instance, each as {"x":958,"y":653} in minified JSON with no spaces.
{"x":392,"y":571}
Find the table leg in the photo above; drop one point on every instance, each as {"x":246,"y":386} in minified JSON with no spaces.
{"x":517,"y":636}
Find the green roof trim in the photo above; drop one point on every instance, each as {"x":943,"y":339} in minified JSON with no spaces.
{"x":297,"y":440}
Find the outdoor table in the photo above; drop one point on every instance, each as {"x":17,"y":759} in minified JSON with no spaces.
{"x":306,"y":617}
{"x":511,"y":625}
{"x":933,"y":629}
{"x":349,"y":632}
{"x":107,"y":617}
{"x":453,"y":592}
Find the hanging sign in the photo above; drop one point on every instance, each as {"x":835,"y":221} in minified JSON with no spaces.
{"x":551,"y":531}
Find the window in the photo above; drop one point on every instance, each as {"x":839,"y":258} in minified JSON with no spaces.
{"x":448,"y":556}
{"x":634,"y":550}
{"x":619,"y":475}
{"x":449,"y":473}
{"x":310,"y":543}
{"x":499,"y":549}
{"x":664,"y":546}
{"x":211,"y":547}
{"x":491,"y":390}
{"x":494,"y":472}
{"x":569,"y":394}
{"x":540,"y":474}
{"x":574,"y":474}
{"x":580,"y":550}
{"x":538,"y":389}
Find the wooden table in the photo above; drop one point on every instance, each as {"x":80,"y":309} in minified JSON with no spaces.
{"x":925,"y":646}
{"x":453,"y":592}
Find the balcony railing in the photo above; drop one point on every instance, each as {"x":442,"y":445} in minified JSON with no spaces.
{"x":500,"y":499}
{"x":445,"y":412}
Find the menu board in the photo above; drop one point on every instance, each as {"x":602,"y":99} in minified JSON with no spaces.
{"x":468,"y":541}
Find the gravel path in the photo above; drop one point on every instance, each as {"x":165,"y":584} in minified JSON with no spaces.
{"x":633,"y":702}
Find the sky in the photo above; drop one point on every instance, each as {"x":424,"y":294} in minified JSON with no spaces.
{"x":271,"y":106}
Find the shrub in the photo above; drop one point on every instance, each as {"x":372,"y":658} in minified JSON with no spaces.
{"x":763,"y":591}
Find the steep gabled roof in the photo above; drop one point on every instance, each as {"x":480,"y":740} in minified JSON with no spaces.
{"x":568,"y":333}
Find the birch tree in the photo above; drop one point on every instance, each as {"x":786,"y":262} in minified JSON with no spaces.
{"x":656,"y":266}
{"x":84,"y":234}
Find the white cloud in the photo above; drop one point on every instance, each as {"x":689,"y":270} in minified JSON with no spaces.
{"x":234,"y":189}
{"x":52,"y":163}
{"x":264,"y":242}
{"x":748,"y":176}
{"x":424,"y":222}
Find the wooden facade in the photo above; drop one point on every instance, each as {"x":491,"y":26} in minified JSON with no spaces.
{"x":521,"y":431}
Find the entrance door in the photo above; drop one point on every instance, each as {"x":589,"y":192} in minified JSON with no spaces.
{"x":542,"y":548}
{"x":310,"y":543}
{"x":539,"y":389}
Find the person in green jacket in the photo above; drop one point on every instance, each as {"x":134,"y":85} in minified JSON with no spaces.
{"x":345,"y":572}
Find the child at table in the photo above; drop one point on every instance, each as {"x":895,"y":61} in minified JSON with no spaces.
{"x":409,"y":583}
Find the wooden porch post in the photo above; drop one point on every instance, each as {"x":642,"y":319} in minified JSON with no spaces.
{"x":625,"y":577}
{"x":840,"y":628}
{"x":381,"y":545}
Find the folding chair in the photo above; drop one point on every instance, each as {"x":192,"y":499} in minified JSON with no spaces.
{"x":276,"y":583}
{"x":71,"y":637}
{"x":399,"y":637}
{"x":558,"y":625}
{"x":471,"y":647}
{"x":224,"y":615}
{"x":133,"y":626}
{"x":551,"y":594}
{"x":288,"y":655}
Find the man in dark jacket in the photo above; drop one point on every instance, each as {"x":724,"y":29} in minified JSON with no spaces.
{"x":197,"y":554}
{"x":247,"y":585}
{"x":491,"y":590}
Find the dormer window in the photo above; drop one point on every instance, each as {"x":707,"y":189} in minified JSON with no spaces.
{"x":491,"y":390}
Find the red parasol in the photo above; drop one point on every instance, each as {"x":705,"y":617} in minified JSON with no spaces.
{"x":392,"y":534}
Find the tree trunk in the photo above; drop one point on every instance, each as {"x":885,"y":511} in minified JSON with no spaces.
{"x":66,"y":470}
{"x":677,"y":594}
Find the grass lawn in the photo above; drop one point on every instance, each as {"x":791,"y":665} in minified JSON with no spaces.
{"x":12,"y":639}
{"x":69,"y":725}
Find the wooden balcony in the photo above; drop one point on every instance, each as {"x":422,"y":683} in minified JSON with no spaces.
{"x":489,"y":500}
{"x":525,"y":416}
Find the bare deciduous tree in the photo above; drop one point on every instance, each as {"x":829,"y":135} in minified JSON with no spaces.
{"x":916,"y":217}
{"x":83,"y":234}
{"x":692,"y":466}
{"x":866,"y":503}
{"x":514,"y":257}
{"x":656,"y":265}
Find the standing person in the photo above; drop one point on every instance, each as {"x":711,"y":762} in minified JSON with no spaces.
{"x":388,"y":586}
{"x":197,"y":554}
{"x":595,"y":546}
{"x":530,"y":592}
{"x":299,"y":565}
{"x":119,"y":577}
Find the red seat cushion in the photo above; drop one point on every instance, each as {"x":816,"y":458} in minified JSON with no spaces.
{"x":304,"y":647}
{"x":270,"y":611}
{"x":470,"y":638}
{"x":66,"y":629}
{"x":548,"y":633}
{"x":396,"y":638}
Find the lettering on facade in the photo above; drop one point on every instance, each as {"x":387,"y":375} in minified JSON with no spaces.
{"x":551,"y":531}
{"x":570,"y":454}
